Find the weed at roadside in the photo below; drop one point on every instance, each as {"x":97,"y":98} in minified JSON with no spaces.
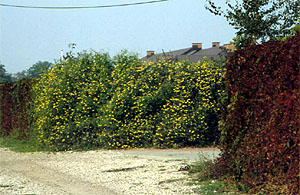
{"x":203,"y":176}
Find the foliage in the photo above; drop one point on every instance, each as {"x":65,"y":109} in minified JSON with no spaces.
{"x":34,"y":72}
{"x":294,"y":31}
{"x":202,"y":168}
{"x":163,"y":104}
{"x":14,"y":105}
{"x":38,"y":68}
{"x":69,"y":99}
{"x":203,"y":173}
{"x":4,"y":76}
{"x":260,"y":127}
{"x":212,"y":187}
{"x":22,"y":113}
{"x":259,"y":20}
{"x":19,"y":76}
{"x":85,"y":101}
{"x":6,"y":107}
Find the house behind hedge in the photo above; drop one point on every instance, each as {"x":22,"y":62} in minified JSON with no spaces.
{"x":194,"y":54}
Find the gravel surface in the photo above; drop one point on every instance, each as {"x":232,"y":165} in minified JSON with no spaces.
{"x":98,"y":172}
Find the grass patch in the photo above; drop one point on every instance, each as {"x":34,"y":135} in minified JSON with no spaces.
{"x":203,"y":176}
{"x":212,"y":187}
{"x":201,"y":169}
{"x":17,"y":145}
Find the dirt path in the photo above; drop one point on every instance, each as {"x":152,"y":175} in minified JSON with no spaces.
{"x":30,"y":168}
{"x":96,"y":172}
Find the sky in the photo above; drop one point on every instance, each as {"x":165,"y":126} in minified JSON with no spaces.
{"x":31,"y":35}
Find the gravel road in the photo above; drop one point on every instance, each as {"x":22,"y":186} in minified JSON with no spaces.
{"x":107,"y":172}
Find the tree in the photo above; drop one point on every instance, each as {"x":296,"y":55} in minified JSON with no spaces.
{"x":4,"y":76}
{"x":37,"y":69}
{"x":259,"y":20}
{"x":34,"y":71}
{"x":20,"y":75}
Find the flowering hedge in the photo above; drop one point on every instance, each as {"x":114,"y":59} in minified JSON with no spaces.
{"x":69,"y":99}
{"x":92,"y":101}
{"x":165,"y":104}
{"x":260,"y":136}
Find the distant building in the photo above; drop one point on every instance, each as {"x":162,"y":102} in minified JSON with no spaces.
{"x":194,"y":53}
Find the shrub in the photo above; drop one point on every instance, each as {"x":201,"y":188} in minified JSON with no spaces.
{"x":93,"y":101}
{"x":163,"y":104}
{"x":260,"y":135}
{"x":6,"y":107}
{"x":22,"y":110}
{"x":15,"y":103}
{"x":69,"y":98}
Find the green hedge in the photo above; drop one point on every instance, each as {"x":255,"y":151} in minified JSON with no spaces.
{"x":164,"y":104}
{"x":93,"y":101}
{"x":69,"y":100}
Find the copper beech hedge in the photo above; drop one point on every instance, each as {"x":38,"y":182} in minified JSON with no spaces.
{"x":15,"y":100}
{"x":260,"y":126}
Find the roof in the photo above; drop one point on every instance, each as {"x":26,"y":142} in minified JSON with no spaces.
{"x":192,"y":54}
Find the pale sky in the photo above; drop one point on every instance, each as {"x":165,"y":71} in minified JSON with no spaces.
{"x":31,"y":35}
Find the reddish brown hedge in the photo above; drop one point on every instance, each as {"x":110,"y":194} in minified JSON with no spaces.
{"x":6,"y":105}
{"x":15,"y":99}
{"x":260,"y":137}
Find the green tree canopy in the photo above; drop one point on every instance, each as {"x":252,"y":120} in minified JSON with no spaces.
{"x":38,"y":68}
{"x":20,"y":75}
{"x":4,"y":76}
{"x":259,"y":20}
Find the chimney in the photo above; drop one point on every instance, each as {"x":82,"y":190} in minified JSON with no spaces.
{"x":230,"y":47}
{"x":197,"y":45}
{"x":215,"y":44}
{"x":150,"y":53}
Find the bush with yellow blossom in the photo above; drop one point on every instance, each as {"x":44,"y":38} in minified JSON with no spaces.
{"x":69,"y":99}
{"x":164,"y":104}
{"x":92,"y":101}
